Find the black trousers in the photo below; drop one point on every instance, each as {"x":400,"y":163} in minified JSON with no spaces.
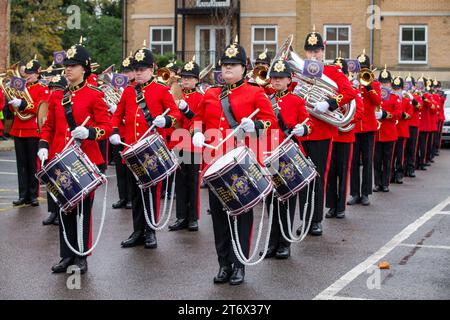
{"x":383,"y":162}
{"x":398,"y":168}
{"x":362,"y":150}
{"x":222,"y":232}
{"x":422,"y":148}
{"x":318,"y":151}
{"x":103,"y":145}
{"x":276,"y":237}
{"x":139,"y":222}
{"x":26,"y":158}
{"x":430,"y":144}
{"x":187,"y":187}
{"x":437,"y":140}
{"x":124,"y":178}
{"x":51,"y":204}
{"x":338,"y":176}
{"x":411,"y":149}
{"x":71,"y":227}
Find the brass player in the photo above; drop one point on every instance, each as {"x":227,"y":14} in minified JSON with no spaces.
{"x":414,"y":122}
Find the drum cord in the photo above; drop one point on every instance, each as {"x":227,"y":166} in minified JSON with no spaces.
{"x":80,"y":228}
{"x":237,"y":248}
{"x":152,"y":224}
{"x":304,"y":232}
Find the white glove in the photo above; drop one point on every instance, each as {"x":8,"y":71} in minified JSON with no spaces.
{"x":43,"y":154}
{"x":299,"y":130}
{"x":321,"y":107}
{"x":198,"y":139}
{"x":80,"y":133}
{"x":16,"y":102}
{"x":112,"y":107}
{"x":160,"y":121}
{"x":247,"y":125}
{"x":115,"y":139}
{"x":378,"y":115}
{"x":183,"y":106}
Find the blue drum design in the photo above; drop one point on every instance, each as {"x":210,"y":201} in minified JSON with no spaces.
{"x":70,"y":177}
{"x":291,"y":171}
{"x":238,"y":180}
{"x":150,"y":160}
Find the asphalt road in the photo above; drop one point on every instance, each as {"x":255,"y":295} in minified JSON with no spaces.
{"x":407,"y":227}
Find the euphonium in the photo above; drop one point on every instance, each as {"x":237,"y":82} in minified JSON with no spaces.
{"x":112,"y":94}
{"x":314,"y":90}
{"x":365,"y":76}
{"x":11,"y":93}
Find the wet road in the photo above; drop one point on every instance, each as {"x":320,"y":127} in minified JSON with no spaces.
{"x":408,"y":227}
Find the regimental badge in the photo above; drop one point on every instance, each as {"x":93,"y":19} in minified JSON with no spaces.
{"x":170,"y":65}
{"x":119,"y":80}
{"x":126,"y":62}
{"x":279,"y":66}
{"x":313,"y":68}
{"x":312,"y":39}
{"x":384,"y":74}
{"x":17,"y":83}
{"x":435,"y":83}
{"x":29,"y":64}
{"x":63,"y":179}
{"x":263,"y":55}
{"x":140,"y":55}
{"x":428,"y":83}
{"x":231,"y":51}
{"x":240,"y":185}
{"x":408,"y":85}
{"x":56,"y":78}
{"x":408,"y":79}
{"x":353,"y":65}
{"x":287,"y":170}
{"x":385,"y":93}
{"x":362,"y":58}
{"x":58,"y":57}
{"x":189,"y":66}
{"x":339,"y":63}
{"x":150,"y":162}
{"x":397,"y":81}
{"x":71,"y":52}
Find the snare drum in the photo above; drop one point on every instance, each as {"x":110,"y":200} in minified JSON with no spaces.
{"x":291,"y":171}
{"x":150,"y":160}
{"x":70,"y":177}
{"x":238,"y":180}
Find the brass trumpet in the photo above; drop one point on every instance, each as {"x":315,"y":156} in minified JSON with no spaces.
{"x":366,"y":76}
{"x":259,"y":74}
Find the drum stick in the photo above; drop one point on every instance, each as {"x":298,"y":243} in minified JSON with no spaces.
{"x":235,"y":130}
{"x":71,"y":139}
{"x":287,"y":138}
{"x":123,"y":143}
{"x":153,"y":126}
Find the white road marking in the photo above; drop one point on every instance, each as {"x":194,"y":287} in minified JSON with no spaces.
{"x":9,"y":173}
{"x":346,"y":298}
{"x":7,"y":160}
{"x":446,"y":213}
{"x":342,"y":282}
{"x":423,"y":246}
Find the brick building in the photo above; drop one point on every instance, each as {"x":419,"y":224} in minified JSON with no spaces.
{"x":4,"y":35}
{"x":406,"y":35}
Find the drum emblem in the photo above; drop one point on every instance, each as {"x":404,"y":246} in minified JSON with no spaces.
{"x":240,"y":184}
{"x":63,"y":179}
{"x":150,"y":162}
{"x":287,"y":170}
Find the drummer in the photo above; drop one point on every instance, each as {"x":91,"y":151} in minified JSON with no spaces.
{"x":154,"y":99}
{"x":66,"y":112}
{"x":222,"y":109}
{"x":291,"y":113}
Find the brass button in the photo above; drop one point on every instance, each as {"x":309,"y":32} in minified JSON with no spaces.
{"x":137,"y":124}
{"x":137,"y":134}
{"x":138,"y":115}
{"x":221,"y":129}
{"x":223,"y":119}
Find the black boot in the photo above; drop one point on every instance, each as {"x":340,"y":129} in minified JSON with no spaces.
{"x":62,"y":266}
{"x":223,"y":275}
{"x":377,"y":189}
{"x":354,"y":200}
{"x":19,"y":202}
{"x":316,"y":229}
{"x":238,"y":275}
{"x":56,"y":221}
{"x":179,"y":225}
{"x":283,"y":252}
{"x":150,"y":240}
{"x":365,"y":200}
{"x":193,"y":225}
{"x":119,"y":204}
{"x":50,"y":219}
{"x":81,"y":262}
{"x":331,"y":213}
{"x":135,"y":239}
{"x":271,"y":251}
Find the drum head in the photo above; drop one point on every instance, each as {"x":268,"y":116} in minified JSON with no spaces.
{"x":223,"y":161}
{"x":147,"y":140}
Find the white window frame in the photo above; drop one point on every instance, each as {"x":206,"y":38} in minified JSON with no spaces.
{"x":213,"y":3}
{"x":275,"y":42}
{"x":212,"y":39}
{"x":338,"y":42}
{"x":160,"y":43}
{"x":401,"y":42}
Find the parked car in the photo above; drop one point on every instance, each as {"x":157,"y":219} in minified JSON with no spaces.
{"x":446,"y":127}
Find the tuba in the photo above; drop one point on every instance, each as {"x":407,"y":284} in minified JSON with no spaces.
{"x":314,"y":90}
{"x":112,"y":94}
{"x":11,"y":93}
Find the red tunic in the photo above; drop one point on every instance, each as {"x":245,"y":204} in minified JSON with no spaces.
{"x":388,"y":130}
{"x":415,"y":116}
{"x":403,"y":124}
{"x":86,"y":101}
{"x":28,"y":128}
{"x":349,"y":137}
{"x":371,"y":99}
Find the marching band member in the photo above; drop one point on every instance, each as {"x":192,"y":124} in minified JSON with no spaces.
{"x":341,"y":159}
{"x":291,"y":112}
{"x":26,"y":136}
{"x":2,"y":103}
{"x":187,"y":185}
{"x":57,"y":85}
{"x":365,"y":129}
{"x":439,"y":120}
{"x":424,"y":125}
{"x":67,"y":111}
{"x":414,"y":122}
{"x":432,"y":121}
{"x":387,"y":135}
{"x":220,"y":108}
{"x":318,"y":144}
{"x":398,"y":167}
{"x":124,"y":178}
{"x":154,"y":98}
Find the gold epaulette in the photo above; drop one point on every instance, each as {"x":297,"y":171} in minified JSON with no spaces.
{"x":94,"y":88}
